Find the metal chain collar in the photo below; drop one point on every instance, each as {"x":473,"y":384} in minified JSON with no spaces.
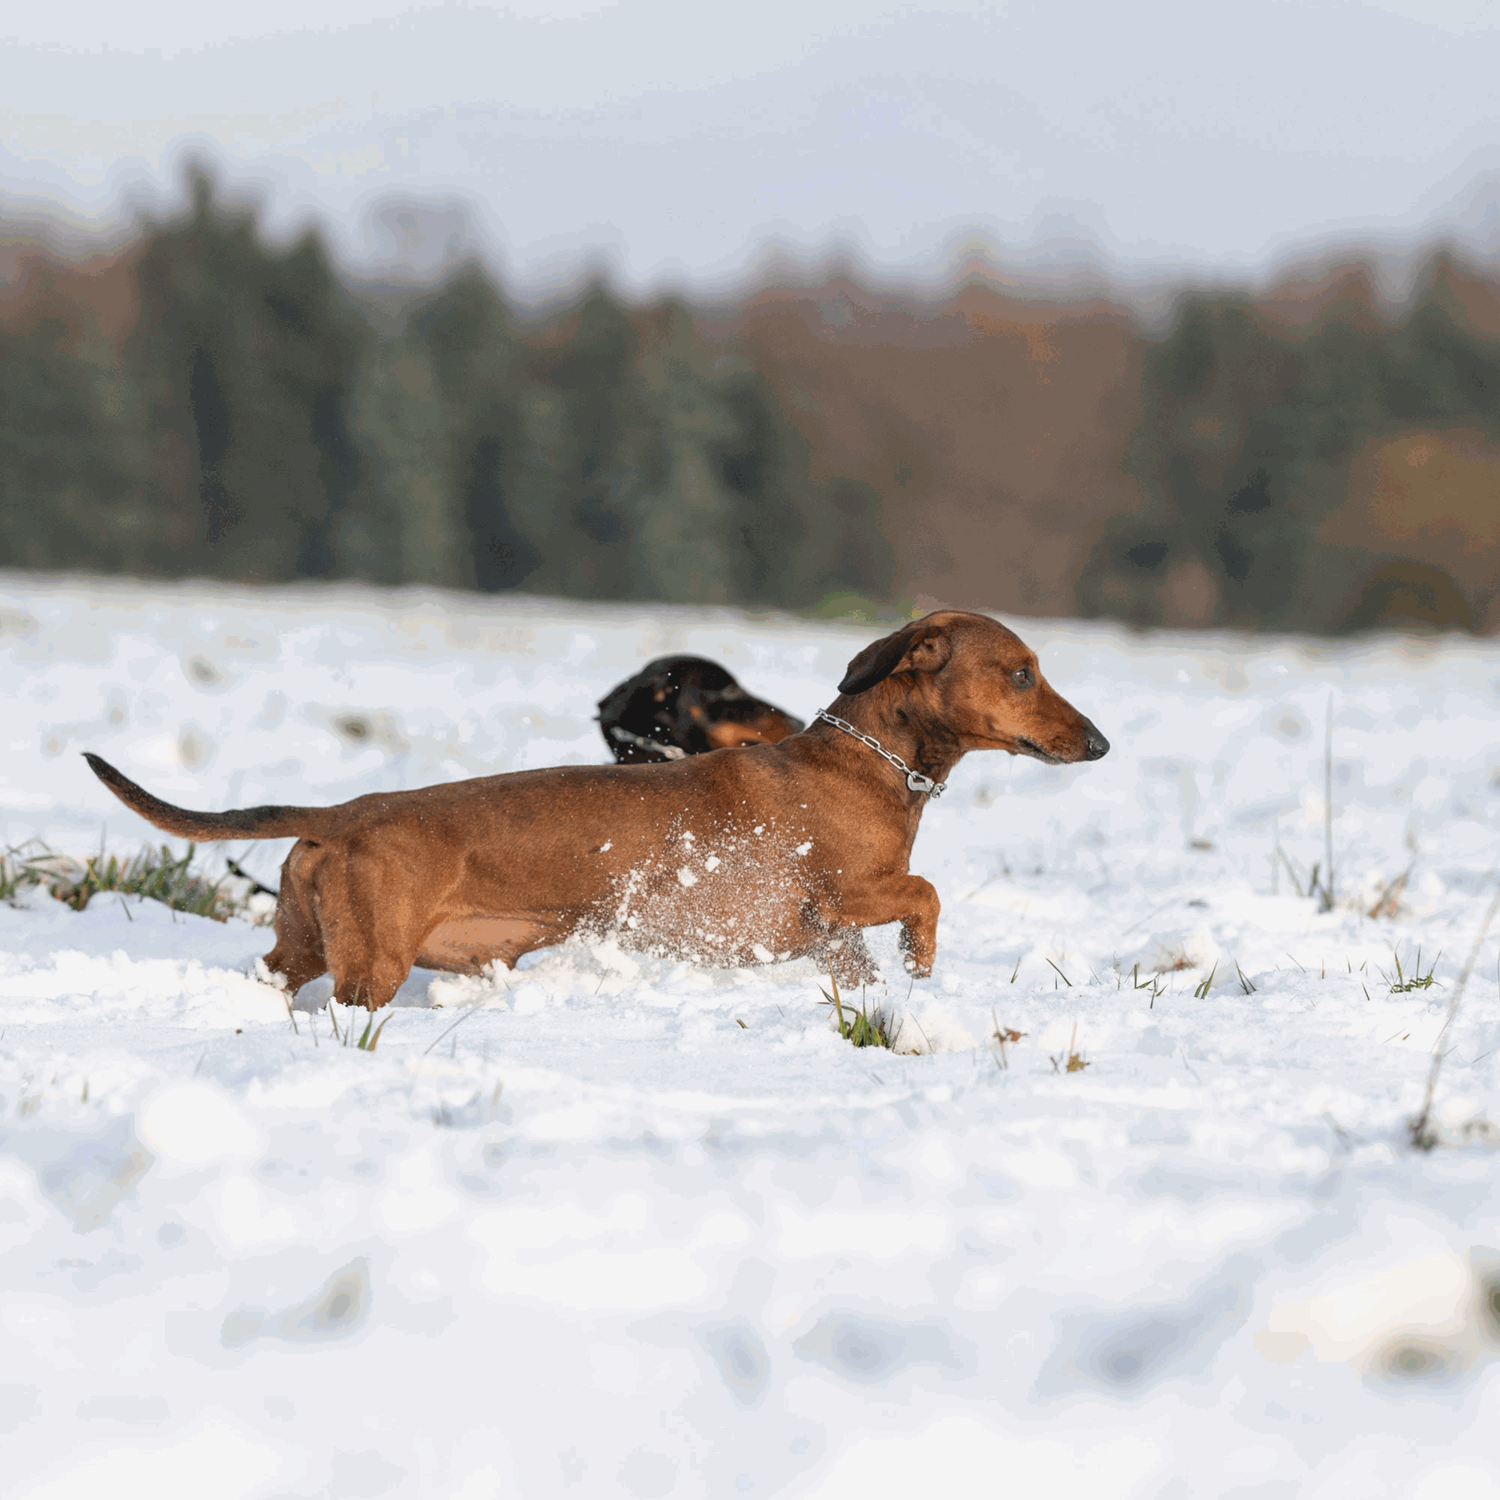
{"x":915,"y":780}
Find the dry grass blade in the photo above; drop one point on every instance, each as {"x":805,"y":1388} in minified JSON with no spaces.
{"x":475,"y":1005}
{"x":1075,"y":1061}
{"x":861,"y":1028}
{"x":1005,"y":1036}
{"x":834,"y":1000}
{"x":1388,"y":902}
{"x":1326,"y":895}
{"x":1420,"y":1130}
{"x":369,"y":1040}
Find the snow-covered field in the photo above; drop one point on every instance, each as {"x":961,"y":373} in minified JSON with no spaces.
{"x":634,"y":1228}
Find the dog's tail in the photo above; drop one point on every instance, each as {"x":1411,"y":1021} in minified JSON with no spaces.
{"x":242,"y":823}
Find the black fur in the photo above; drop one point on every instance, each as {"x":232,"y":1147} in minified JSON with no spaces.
{"x":674,"y":701}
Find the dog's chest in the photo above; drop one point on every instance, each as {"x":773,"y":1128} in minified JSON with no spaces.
{"x":717,"y":882}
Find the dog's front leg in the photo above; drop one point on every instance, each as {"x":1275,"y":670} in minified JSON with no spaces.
{"x":907,"y":899}
{"x":849,"y":959}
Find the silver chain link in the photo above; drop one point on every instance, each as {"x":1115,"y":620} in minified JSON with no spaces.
{"x":915,"y":780}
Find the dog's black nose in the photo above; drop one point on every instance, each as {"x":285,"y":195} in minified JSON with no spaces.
{"x":1095,"y":746}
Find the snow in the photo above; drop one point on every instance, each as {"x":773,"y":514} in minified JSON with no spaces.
{"x":611,"y":1225}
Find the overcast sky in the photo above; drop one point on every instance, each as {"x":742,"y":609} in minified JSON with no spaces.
{"x":674,"y":140}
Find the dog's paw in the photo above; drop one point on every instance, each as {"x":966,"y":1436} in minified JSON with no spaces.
{"x":916,"y":967}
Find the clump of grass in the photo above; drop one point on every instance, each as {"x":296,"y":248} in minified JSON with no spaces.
{"x":862,"y":1028}
{"x":1201,"y":990}
{"x":1076,"y":1062}
{"x":16,"y":872}
{"x":23,"y":866}
{"x":1315,"y":884}
{"x":156,"y":874}
{"x":1404,"y":983}
{"x":369,"y":1038}
{"x":1154,"y":984}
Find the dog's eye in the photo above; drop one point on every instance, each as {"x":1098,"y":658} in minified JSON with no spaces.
{"x":1023,"y":678}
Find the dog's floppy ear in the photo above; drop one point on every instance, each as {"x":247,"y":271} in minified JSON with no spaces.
{"x":918,"y":647}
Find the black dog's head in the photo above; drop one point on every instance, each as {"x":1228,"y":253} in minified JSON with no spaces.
{"x":686,"y":705}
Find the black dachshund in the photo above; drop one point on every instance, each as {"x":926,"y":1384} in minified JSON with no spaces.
{"x":685,"y":705}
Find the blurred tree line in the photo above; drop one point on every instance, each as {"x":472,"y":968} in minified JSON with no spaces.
{"x":1252,"y":431}
{"x":253,"y":424}
{"x":1303,"y":460}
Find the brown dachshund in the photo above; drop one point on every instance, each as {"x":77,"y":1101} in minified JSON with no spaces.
{"x":686,"y":705}
{"x":751,"y":855}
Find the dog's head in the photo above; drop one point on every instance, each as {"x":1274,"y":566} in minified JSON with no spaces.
{"x":690,"y":704}
{"x":966,"y":679}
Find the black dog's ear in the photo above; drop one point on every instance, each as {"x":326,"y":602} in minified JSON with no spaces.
{"x":918,"y":647}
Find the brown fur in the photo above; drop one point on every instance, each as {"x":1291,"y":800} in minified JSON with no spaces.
{"x":770,"y":851}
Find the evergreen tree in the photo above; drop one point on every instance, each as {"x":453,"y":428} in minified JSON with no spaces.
{"x":684,"y":531}
{"x":1247,"y":435}
{"x":440,"y":408}
{"x":68,"y":498}
{"x":763,"y":464}
{"x":246,"y":359}
{"x":601,"y":451}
